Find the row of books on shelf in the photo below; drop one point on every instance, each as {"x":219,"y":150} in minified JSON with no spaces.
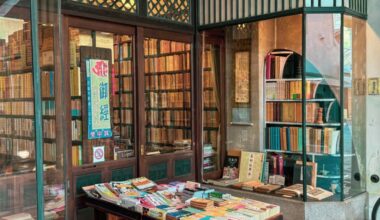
{"x":168,"y":100}
{"x":75,"y":82}
{"x":318,"y":140}
{"x":209,"y":98}
{"x":280,"y":65}
{"x":76,"y":107}
{"x":179,"y":200}
{"x":78,"y":37}
{"x":123,"y":100}
{"x":123,"y":67}
{"x":125,"y":131}
{"x":76,"y":130}
{"x":17,"y":108}
{"x":252,"y":172}
{"x":48,"y":107}
{"x":123,"y":116}
{"x":169,"y":118}
{"x":49,"y":128}
{"x":47,"y":84}
{"x":292,"y":112}
{"x":122,"y":50}
{"x":166,"y":135}
{"x":76,"y":155}
{"x":211,"y":118}
{"x":210,"y":137}
{"x":24,"y":148}
{"x":155,"y":46}
{"x":50,"y":152}
{"x":20,"y":126}
{"x":209,"y":79}
{"x":126,"y":84}
{"x":18,"y":48}
{"x":168,"y":63}
{"x":16,"y":86}
{"x":290,"y":90}
{"x":207,"y":59}
{"x":89,"y":149}
{"x":168,"y":81}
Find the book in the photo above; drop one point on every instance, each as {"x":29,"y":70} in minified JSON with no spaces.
{"x":318,"y":140}
{"x":107,"y":193}
{"x":251,"y":166}
{"x":313,"y":193}
{"x":142,"y":183}
{"x":251,"y":185}
{"x":311,"y":173}
{"x":267,"y":188}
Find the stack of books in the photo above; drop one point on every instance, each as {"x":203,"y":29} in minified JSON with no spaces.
{"x":202,"y":204}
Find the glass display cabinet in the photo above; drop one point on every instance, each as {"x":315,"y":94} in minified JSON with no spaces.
{"x":294,"y":96}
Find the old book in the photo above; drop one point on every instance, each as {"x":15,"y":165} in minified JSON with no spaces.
{"x":267,"y":188}
{"x":251,"y":166}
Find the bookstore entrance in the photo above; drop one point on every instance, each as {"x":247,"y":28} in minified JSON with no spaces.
{"x":130,"y":103}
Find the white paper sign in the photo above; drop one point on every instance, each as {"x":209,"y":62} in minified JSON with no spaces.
{"x":98,"y":154}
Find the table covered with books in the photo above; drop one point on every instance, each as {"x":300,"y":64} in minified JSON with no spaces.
{"x":141,"y":198}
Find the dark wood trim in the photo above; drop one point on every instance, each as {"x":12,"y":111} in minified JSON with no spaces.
{"x":139,"y":98}
{"x":102,"y":26}
{"x":67,"y":108}
{"x":166,"y":35}
{"x":198,"y":112}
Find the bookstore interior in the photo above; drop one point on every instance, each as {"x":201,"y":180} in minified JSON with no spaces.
{"x":152,"y":120}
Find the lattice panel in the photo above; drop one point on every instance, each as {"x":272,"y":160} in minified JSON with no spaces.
{"x":175,"y":10}
{"x":129,"y":6}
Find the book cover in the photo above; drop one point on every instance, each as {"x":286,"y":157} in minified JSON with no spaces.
{"x":251,"y":166}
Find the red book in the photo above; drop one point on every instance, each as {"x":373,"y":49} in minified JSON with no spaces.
{"x":280,"y":163}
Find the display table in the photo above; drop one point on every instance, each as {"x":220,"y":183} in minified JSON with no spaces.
{"x":102,"y":208}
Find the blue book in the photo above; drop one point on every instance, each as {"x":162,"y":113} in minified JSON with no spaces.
{"x":288,"y":139}
{"x":51,"y":83}
{"x":278,"y":141}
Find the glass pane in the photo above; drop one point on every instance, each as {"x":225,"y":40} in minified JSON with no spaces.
{"x":323,"y":100}
{"x":261,"y":77}
{"x":354,"y":102}
{"x":17,"y":145}
{"x":211,"y":108}
{"x":121,"y":144}
{"x":167,"y":96}
{"x":53,"y":150}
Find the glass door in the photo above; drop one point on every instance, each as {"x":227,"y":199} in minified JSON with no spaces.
{"x":167,"y":152}
{"x":101,"y":76}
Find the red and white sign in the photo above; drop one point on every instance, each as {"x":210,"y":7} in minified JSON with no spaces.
{"x":98,"y":154}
